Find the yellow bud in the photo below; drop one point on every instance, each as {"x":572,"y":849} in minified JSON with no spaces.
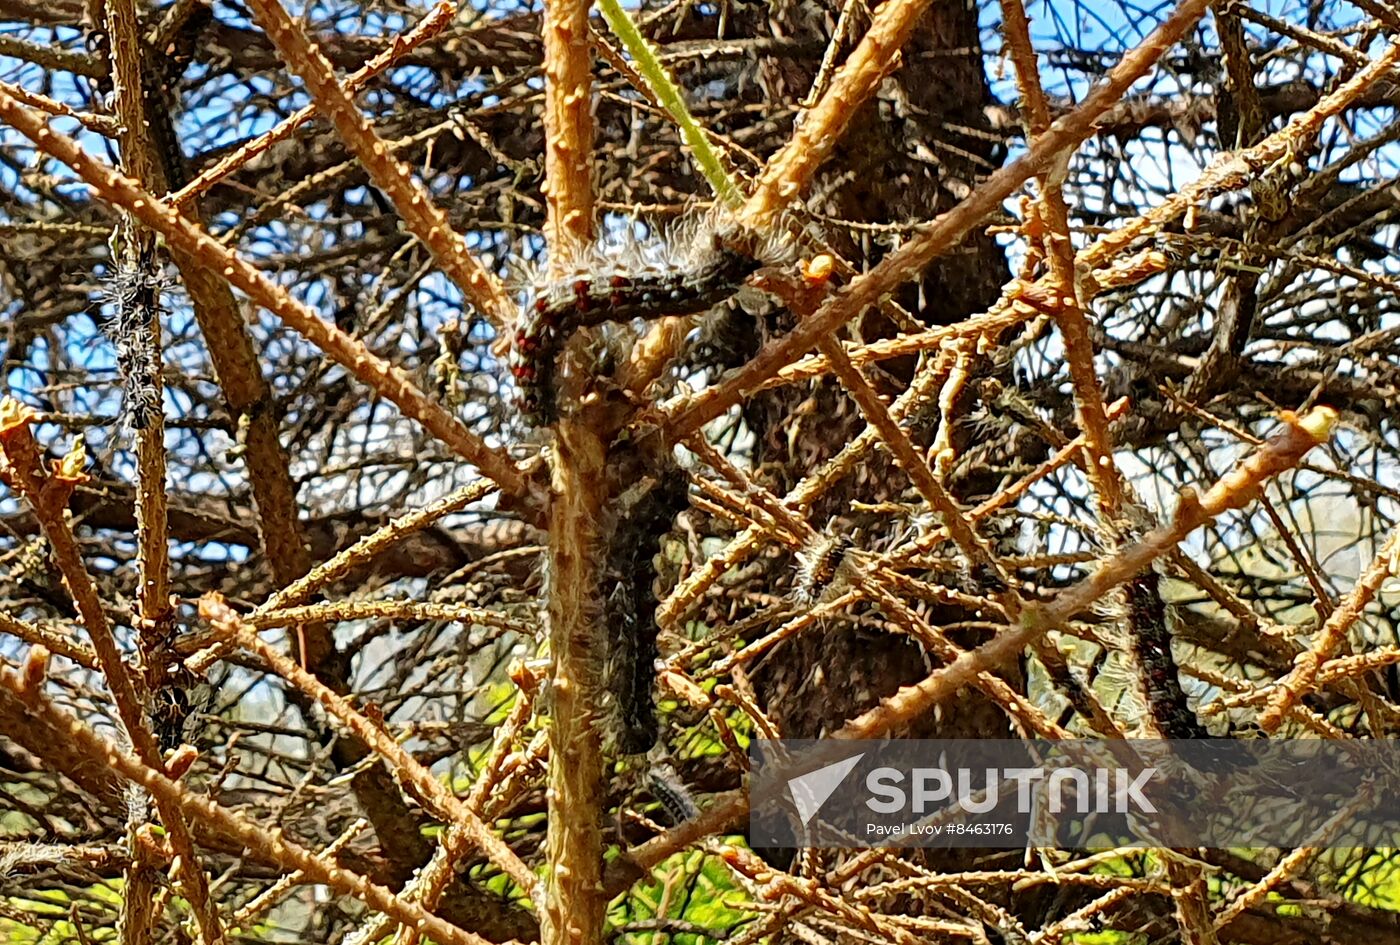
{"x":14,"y":414}
{"x":1317,"y":423}
{"x":71,"y":467}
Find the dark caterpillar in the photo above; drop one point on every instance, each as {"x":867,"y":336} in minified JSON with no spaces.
{"x":619,"y":281}
{"x":819,"y":565}
{"x":644,"y":515}
{"x":667,"y":788}
{"x":134,"y":292}
{"x":1152,"y":648}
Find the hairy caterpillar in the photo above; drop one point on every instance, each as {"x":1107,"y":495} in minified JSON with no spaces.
{"x":1152,"y":648}
{"x":685,"y":270}
{"x":176,"y":702}
{"x":823,"y":566}
{"x":134,"y":293}
{"x":667,"y":788}
{"x":644,"y":514}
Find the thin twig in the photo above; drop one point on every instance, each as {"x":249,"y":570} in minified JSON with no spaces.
{"x":381,"y":376}
{"x":1300,"y":679}
{"x":944,"y":233}
{"x":48,"y":492}
{"x":266,"y":844}
{"x":1235,"y":490}
{"x":422,"y":217}
{"x":427,"y":28}
{"x":405,"y":767}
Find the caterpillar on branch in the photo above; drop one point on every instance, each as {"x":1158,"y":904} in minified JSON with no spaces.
{"x":685,"y":269}
{"x":1152,"y":647}
{"x":641,"y":518}
{"x":133,"y":291}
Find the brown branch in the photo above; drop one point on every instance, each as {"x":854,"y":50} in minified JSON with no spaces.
{"x":50,"y":748}
{"x":52,"y":640}
{"x":407,"y":769}
{"x":1232,"y":491}
{"x":101,"y":124}
{"x":133,"y":250}
{"x":136,"y":246}
{"x":47,"y":493}
{"x":674,"y":608}
{"x":1235,"y":490}
{"x":1236,"y":169}
{"x":574,"y":906}
{"x":1300,"y":678}
{"x":1293,"y":863}
{"x":943,"y":234}
{"x":1020,"y":302}
{"x":330,"y":611}
{"x":789,"y":172}
{"x":430,"y":882}
{"x":372,"y":545}
{"x":933,"y":492}
{"x":266,"y":844}
{"x":246,"y":392}
{"x":428,"y":27}
{"x":52,"y":57}
{"x":423,"y":218}
{"x":381,"y":376}
{"x":1053,"y":216}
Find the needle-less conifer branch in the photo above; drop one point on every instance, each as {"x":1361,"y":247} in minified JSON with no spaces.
{"x":52,"y":640}
{"x":364,"y":550}
{"x":874,"y":581}
{"x":1235,"y":169}
{"x":101,"y":124}
{"x":51,"y":56}
{"x":1096,"y":262}
{"x":431,"y":881}
{"x":1021,"y":301}
{"x":574,"y":904}
{"x":1233,"y":491}
{"x":421,"y":216}
{"x":917,"y":468}
{"x":404,"y":766}
{"x":135,"y":286}
{"x":47,"y":491}
{"x":1292,"y":863}
{"x":789,"y":172}
{"x":1300,"y":679}
{"x":1052,"y":218}
{"x":1050,"y":228}
{"x":384,"y":378}
{"x":387,"y":610}
{"x":138,"y":317}
{"x":674,"y":608}
{"x":427,"y":28}
{"x":269,"y":897}
{"x":237,"y":366}
{"x":267,"y":845}
{"x":944,"y":233}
